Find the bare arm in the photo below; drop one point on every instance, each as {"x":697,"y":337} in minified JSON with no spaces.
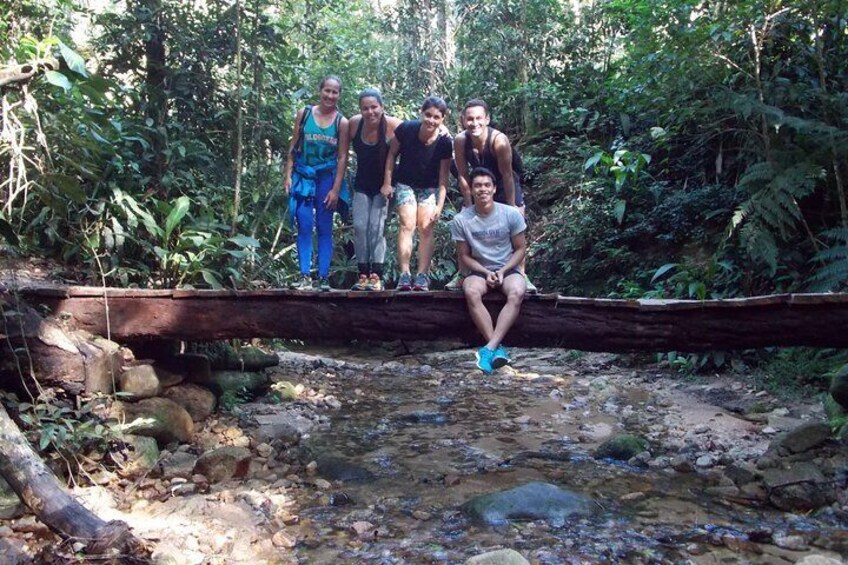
{"x":394,"y":147}
{"x":287,"y":172}
{"x":444,"y":173}
{"x":332,"y":198}
{"x":462,"y":168}
{"x":463,"y":253}
{"x":503,"y":151}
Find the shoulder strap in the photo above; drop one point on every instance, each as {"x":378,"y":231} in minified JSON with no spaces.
{"x":490,"y":139}
{"x":358,"y":133}
{"x":307,"y":111}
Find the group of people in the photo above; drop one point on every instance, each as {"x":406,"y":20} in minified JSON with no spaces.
{"x":410,"y":161}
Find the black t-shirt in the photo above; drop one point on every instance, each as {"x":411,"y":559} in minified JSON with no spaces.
{"x":419,"y":164}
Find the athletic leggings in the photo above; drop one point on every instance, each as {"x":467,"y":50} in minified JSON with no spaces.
{"x":369,"y":223}
{"x":315,"y":215}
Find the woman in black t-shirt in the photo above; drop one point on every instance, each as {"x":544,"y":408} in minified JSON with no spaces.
{"x":370,"y":133}
{"x":420,"y":185}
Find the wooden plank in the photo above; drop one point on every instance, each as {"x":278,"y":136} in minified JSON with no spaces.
{"x":546,"y":320}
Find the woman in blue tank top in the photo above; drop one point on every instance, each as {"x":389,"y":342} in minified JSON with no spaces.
{"x":370,"y":132}
{"x":318,"y":153}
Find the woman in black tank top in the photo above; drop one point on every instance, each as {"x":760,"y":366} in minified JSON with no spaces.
{"x":371,"y":130}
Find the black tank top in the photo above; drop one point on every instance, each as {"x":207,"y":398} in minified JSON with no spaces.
{"x":487,"y":158}
{"x":369,"y":164}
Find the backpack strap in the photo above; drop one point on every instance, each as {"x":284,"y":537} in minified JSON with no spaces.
{"x":307,"y":111}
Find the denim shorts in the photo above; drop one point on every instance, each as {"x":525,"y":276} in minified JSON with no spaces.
{"x":405,"y":194}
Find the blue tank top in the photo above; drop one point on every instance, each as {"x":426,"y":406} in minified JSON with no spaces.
{"x":320,"y":144}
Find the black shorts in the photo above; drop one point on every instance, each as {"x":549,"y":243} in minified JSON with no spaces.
{"x":513,"y":271}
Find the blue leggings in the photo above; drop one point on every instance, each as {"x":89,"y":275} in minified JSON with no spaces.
{"x":312,"y":215}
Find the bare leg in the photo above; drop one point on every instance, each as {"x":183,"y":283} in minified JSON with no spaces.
{"x":475,"y":288}
{"x":513,"y":288}
{"x":425,"y":238}
{"x":406,"y":229}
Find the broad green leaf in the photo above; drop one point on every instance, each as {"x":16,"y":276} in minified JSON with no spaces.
{"x":178,"y":212}
{"x":663,"y":270}
{"x":593,"y":160}
{"x":619,"y":209}
{"x":73,"y":59}
{"x":211,"y":279}
{"x":245,"y":241}
{"x":58,"y":79}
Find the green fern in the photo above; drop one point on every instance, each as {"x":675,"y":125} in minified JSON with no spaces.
{"x":772,"y":212}
{"x":832,"y":275}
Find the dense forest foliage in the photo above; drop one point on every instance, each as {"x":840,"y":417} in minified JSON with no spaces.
{"x":672,"y":148}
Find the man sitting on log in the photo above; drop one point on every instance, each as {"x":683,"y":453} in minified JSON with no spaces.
{"x":490,"y":246}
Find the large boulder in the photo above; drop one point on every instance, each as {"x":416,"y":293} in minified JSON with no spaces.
{"x":798,"y":487}
{"x":532,"y":501}
{"x":136,"y":456}
{"x":224,"y":463}
{"x":803,"y":438}
{"x":140,"y":381}
{"x":198,"y":401}
{"x":159,"y":418}
{"x":839,"y":386}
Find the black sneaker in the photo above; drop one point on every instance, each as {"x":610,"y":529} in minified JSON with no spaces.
{"x":404,"y":283}
{"x":422,"y":282}
{"x":324,"y":284}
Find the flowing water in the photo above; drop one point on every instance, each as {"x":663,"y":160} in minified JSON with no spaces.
{"x":420,"y":434}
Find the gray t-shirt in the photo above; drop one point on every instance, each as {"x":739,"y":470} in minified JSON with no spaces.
{"x":490,"y":237}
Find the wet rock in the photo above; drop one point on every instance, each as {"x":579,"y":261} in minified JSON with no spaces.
{"x":532,"y":501}
{"x":139,"y":381}
{"x":158,"y":418}
{"x":136,"y":456}
{"x":198,"y":401}
{"x":819,"y":560}
{"x":681,"y":464}
{"x":284,"y":539}
{"x":179,"y":464}
{"x":237,"y":384}
{"x":224,"y":463}
{"x":839,"y":387}
{"x":802,"y":438}
{"x":498,"y":557}
{"x":798,"y":487}
{"x":621,"y":447}
{"x":340,"y":469}
{"x":423,"y":417}
{"x":795,"y":542}
{"x":741,"y":473}
{"x":10,"y":505}
{"x":278,"y":425}
{"x":590,"y":433}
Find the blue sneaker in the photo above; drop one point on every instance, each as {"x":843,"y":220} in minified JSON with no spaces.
{"x":484,"y":360}
{"x":500,"y":357}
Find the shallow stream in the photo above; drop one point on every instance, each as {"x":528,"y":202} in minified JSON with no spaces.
{"x":420,"y":434}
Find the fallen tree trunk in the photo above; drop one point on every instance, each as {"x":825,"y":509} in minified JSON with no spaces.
{"x":41,"y":491}
{"x":74,"y":361}
{"x":547,"y":320}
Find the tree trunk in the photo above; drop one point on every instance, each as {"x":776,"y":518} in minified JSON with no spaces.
{"x":41,"y":491}
{"x":545,"y":320}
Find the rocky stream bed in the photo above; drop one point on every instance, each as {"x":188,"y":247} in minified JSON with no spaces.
{"x":377,"y":457}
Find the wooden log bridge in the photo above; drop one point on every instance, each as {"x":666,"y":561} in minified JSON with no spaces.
{"x":590,"y":324}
